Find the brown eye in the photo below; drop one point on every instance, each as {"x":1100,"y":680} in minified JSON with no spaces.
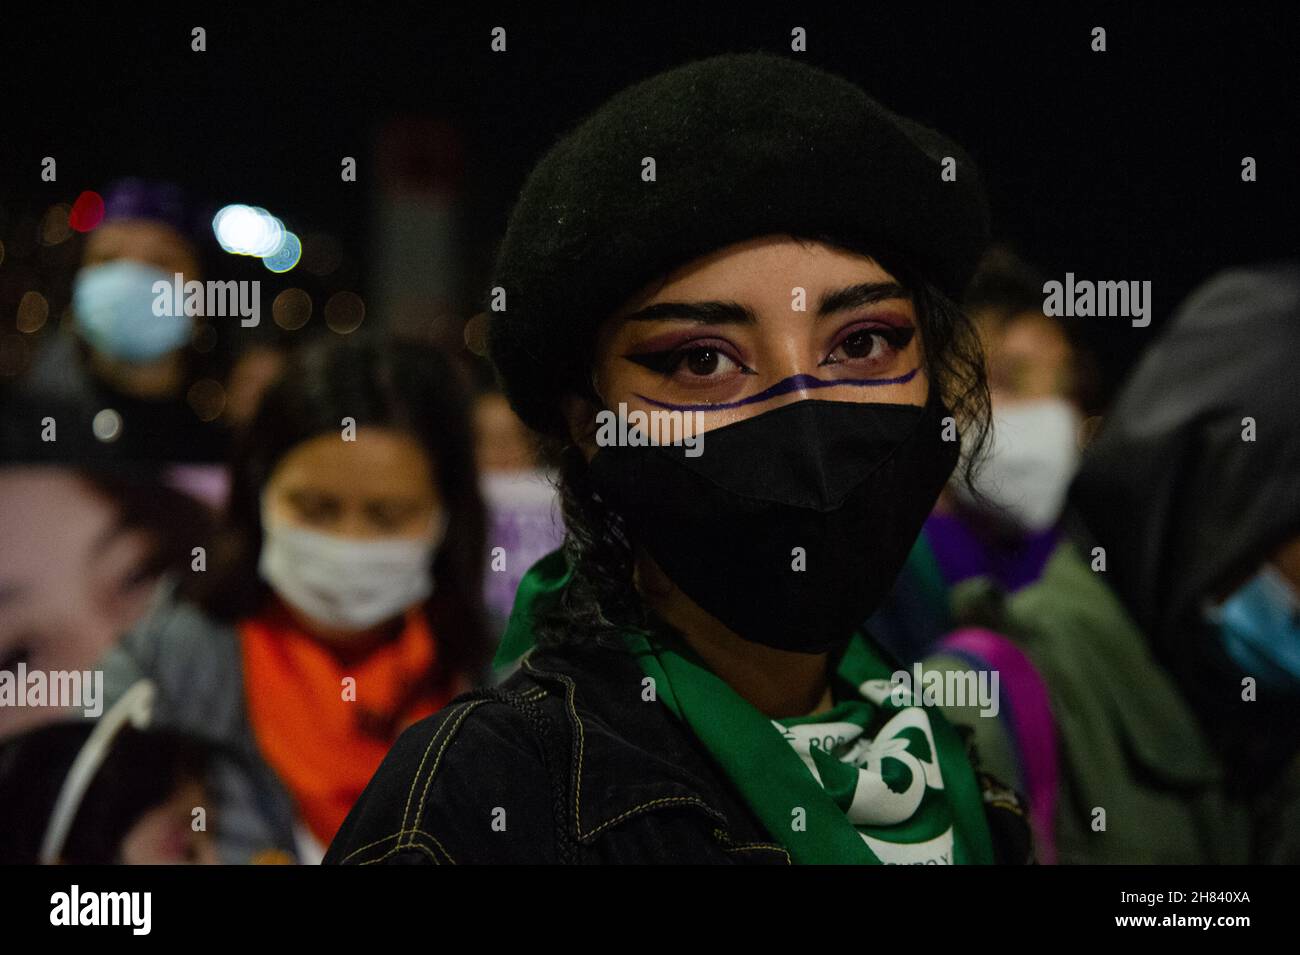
{"x":702,"y":361}
{"x":691,"y":362}
{"x":872,"y":344}
{"x":859,"y":344}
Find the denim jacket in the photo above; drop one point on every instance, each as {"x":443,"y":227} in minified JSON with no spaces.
{"x":565,"y":763}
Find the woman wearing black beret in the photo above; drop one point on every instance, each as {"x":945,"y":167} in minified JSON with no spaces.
{"x":758,"y":254}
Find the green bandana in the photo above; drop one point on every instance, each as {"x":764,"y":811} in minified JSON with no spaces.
{"x":869,"y":781}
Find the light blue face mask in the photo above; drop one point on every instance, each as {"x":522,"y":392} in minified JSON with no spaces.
{"x":1260,"y":626}
{"x":114,"y":308}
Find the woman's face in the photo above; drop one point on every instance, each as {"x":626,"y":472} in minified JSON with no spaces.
{"x":380,"y":485}
{"x":730,"y":335}
{"x":1029,"y":358}
{"x":73,"y":577}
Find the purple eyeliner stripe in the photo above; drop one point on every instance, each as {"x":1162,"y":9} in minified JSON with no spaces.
{"x":784,"y":387}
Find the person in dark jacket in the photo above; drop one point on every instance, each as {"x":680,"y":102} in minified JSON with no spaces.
{"x":726,"y":298}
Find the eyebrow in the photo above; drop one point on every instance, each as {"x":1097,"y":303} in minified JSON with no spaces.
{"x":856,"y":296}
{"x":733,"y":313}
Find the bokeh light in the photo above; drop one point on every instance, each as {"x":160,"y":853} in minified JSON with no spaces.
{"x":207,"y":398}
{"x":87,"y":212}
{"x":285,"y":257}
{"x":33,"y":310}
{"x":247,"y":230}
{"x":107,"y":425}
{"x":476,"y":334}
{"x":344,"y":312}
{"x":56,"y":225}
{"x":291,"y":309}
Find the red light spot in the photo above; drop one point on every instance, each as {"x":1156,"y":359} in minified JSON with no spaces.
{"x":87,"y":212}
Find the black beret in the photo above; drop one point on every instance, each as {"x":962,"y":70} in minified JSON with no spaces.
{"x":744,"y":145}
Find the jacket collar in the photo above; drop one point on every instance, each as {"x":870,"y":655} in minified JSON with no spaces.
{"x":631,"y":755}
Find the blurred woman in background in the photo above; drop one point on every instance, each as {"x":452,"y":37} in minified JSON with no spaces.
{"x":344,"y":598}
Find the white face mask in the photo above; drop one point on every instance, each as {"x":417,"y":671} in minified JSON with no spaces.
{"x":1032,"y":458}
{"x":345,"y":583}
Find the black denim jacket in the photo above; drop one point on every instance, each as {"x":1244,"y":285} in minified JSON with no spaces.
{"x":565,"y":763}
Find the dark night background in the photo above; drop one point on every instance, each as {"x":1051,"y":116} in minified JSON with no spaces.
{"x":1115,"y":165}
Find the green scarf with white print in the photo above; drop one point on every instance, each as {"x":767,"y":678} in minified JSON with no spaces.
{"x":870,"y":781}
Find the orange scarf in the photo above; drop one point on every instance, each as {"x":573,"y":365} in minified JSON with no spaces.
{"x":325,"y":738}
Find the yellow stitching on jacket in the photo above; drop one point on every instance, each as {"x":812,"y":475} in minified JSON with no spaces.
{"x":399,"y":835}
{"x":369,"y":845}
{"x":569,"y":687}
{"x":434,"y":839}
{"x":400,"y":848}
{"x":569,"y":692}
{"x":419,"y":769}
{"x":729,"y":846}
{"x":453,"y":727}
{"x":466,"y":708}
{"x":662,"y":801}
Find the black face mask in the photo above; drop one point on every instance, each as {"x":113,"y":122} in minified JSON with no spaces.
{"x":849,"y":483}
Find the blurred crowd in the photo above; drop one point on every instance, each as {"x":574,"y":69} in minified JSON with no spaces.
{"x":293,"y":545}
{"x":259,"y":531}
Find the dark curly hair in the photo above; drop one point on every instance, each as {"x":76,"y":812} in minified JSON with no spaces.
{"x":602,"y":599}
